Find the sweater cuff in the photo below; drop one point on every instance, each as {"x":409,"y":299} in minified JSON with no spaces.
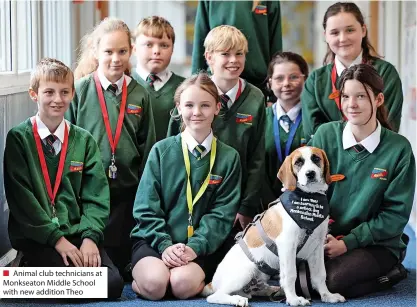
{"x":91,"y":234}
{"x":163,"y":245}
{"x":248,"y":210}
{"x":350,"y":241}
{"x":54,"y":237}
{"x":196,"y":248}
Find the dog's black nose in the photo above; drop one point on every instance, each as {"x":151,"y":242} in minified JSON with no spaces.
{"x":311,"y":174}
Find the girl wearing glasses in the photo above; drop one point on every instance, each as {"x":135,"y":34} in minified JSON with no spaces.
{"x":347,"y":44}
{"x":287,"y":72}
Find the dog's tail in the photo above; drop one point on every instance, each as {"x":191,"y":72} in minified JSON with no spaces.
{"x":208,"y":290}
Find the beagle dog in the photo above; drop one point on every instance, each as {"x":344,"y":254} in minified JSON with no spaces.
{"x":296,"y":224}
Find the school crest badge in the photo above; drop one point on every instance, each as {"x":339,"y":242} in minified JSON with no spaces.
{"x":244,"y":118}
{"x":261,"y":9}
{"x":379,"y":173}
{"x":76,"y":166}
{"x":215,"y":179}
{"x":303,"y":142}
{"x":134,"y":109}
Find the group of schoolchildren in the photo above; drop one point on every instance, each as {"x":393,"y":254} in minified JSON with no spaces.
{"x":142,"y":171}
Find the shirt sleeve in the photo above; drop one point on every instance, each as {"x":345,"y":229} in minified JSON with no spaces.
{"x":251,"y":189}
{"x":393,"y":94}
{"x":147,"y":135}
{"x":147,"y":209}
{"x":94,"y":196}
{"x":395,"y":209}
{"x":34,"y":222}
{"x":201,"y":29}
{"x":274,"y":21}
{"x":313,"y":117}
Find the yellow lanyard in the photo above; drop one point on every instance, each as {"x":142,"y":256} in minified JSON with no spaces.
{"x":190,"y":201}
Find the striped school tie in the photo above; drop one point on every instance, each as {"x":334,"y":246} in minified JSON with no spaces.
{"x":113,"y":88}
{"x":286,"y":119}
{"x":49,"y":144}
{"x":151,"y":79}
{"x":358,"y":148}
{"x":224,"y":99}
{"x":198,"y":151}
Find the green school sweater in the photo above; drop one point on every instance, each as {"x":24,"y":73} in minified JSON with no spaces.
{"x":271,"y":189}
{"x":263,"y":33}
{"x":162,"y":102}
{"x":318,"y":108}
{"x":161,"y":210}
{"x":243,"y":128}
{"x":82,"y":202}
{"x":136,"y":138}
{"x":372,"y":205}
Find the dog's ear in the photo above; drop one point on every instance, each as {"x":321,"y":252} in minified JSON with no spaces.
{"x":326,"y":168}
{"x":286,"y":174}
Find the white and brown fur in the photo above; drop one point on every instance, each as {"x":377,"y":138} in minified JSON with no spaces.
{"x":308,"y":169}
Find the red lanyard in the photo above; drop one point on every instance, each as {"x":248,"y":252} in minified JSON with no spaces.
{"x":45,"y":172}
{"x":239,"y":90}
{"x":335,"y":95}
{"x":113,"y":143}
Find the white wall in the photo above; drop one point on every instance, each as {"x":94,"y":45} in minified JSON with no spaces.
{"x":174,"y":11}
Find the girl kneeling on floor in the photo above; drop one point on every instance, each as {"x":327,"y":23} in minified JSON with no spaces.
{"x":371,"y":203}
{"x":186,"y":201}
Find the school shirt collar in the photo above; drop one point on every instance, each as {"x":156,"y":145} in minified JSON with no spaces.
{"x":159,"y":83}
{"x":370,"y":143}
{"x":192,"y":143}
{"x":105,"y":82}
{"x":232,"y":93}
{"x":44,"y":131}
{"x":340,"y":67}
{"x":292,"y":114}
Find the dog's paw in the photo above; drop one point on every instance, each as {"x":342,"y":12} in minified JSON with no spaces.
{"x":240,"y":301}
{"x":298,"y":301}
{"x":332,"y":298}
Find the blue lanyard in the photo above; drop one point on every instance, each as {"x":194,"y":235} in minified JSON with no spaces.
{"x":291,"y":136}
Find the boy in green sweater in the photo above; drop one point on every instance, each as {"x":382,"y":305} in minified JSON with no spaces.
{"x":372,"y":203}
{"x":54,"y":181}
{"x":117,"y":111}
{"x":186,"y":201}
{"x":241,"y":123}
{"x":259,"y":21}
{"x":154,"y":40}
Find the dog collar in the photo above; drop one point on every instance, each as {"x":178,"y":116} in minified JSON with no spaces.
{"x":308,"y":210}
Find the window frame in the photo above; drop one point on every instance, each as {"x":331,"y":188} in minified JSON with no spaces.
{"x":57,"y":23}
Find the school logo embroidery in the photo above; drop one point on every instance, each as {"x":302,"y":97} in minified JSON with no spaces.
{"x":244,"y":118}
{"x":134,"y":109}
{"x":379,"y":173}
{"x":76,"y":166}
{"x":215,"y":179}
{"x":261,"y":10}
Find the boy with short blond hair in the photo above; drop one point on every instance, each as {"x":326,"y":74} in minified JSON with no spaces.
{"x":154,"y":40}
{"x":241,"y":122}
{"x":55,"y":183}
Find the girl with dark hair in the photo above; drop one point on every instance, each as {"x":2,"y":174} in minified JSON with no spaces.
{"x":287,"y":72}
{"x":347,"y":44}
{"x":371,"y":201}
